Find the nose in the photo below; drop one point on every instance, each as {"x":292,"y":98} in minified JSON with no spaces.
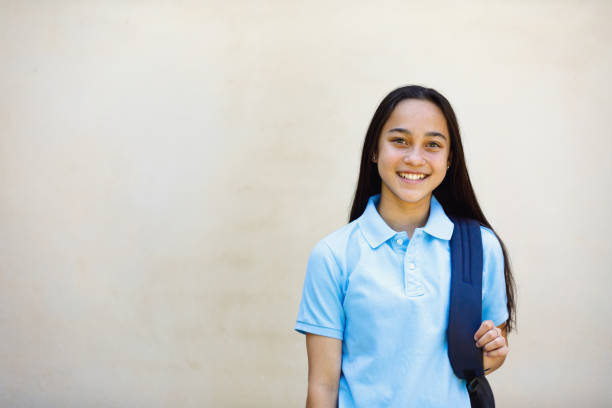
{"x":414,"y":157}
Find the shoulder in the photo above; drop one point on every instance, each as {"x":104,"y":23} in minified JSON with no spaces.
{"x":491,"y":246}
{"x":337,"y":241}
{"x":494,"y":296}
{"x":493,"y":260}
{"x":333,"y":249}
{"x":328,"y":258}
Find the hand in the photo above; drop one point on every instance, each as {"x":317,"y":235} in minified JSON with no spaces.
{"x":491,"y":339}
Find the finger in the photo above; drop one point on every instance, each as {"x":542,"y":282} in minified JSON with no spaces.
{"x":500,"y":352}
{"x":487,"y":337}
{"x":484,"y":327}
{"x":495,"y":344}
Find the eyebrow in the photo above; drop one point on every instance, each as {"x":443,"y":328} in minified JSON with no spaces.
{"x":406,"y":131}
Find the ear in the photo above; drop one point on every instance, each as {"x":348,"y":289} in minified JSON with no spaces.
{"x":373,"y":157}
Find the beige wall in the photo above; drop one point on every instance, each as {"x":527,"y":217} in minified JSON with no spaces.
{"x":166,"y":167}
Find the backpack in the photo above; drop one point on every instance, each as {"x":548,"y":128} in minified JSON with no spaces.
{"x":466,"y":310}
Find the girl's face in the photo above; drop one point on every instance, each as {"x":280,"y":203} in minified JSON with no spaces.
{"x":413,"y":152}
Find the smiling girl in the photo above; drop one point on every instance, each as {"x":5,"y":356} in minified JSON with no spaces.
{"x":375,"y":301}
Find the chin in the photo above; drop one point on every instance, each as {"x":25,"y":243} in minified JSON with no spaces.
{"x":412,"y":198}
{"x":409,"y":195}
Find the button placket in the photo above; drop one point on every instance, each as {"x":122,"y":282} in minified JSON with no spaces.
{"x":412,"y":283}
{"x":398,"y":244}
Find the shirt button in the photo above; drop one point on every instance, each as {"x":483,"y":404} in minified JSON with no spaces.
{"x":400,"y":241}
{"x":411,"y":265}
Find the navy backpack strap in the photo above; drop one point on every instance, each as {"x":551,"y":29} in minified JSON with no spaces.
{"x":465,"y":299}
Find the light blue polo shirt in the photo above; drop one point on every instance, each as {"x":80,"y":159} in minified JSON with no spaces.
{"x":387,"y":299}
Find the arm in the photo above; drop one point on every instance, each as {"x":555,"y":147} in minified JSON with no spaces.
{"x":493,"y":340}
{"x":494,"y":343}
{"x":324,"y":363}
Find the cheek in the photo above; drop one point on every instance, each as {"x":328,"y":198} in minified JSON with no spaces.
{"x":439,"y":159}
{"x":390,"y":156}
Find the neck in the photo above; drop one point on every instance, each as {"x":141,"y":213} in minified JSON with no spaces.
{"x":401,"y":215}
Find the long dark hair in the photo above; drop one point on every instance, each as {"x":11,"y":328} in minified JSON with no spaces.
{"x":455,"y":193}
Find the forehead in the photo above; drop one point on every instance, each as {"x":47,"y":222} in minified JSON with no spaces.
{"x":417,"y":114}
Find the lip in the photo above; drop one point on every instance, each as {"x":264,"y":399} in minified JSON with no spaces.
{"x":412,"y":172}
{"x":412,"y":181}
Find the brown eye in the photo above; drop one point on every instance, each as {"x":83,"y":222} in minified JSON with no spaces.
{"x":402,"y":141}
{"x":433,"y":144}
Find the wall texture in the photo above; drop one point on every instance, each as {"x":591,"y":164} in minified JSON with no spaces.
{"x":166,"y":167}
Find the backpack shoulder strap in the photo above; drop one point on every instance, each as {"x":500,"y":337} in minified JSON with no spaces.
{"x":465,"y":298}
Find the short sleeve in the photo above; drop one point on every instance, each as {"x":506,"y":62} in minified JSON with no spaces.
{"x":321,"y":310}
{"x":494,"y":299}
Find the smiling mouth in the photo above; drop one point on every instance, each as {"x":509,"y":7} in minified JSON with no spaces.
{"x":413,"y":176}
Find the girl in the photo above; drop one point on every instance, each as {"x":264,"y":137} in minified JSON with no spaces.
{"x":375,"y":301}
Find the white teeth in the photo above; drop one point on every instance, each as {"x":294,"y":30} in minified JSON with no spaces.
{"x":411,"y":176}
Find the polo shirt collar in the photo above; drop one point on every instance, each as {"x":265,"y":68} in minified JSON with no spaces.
{"x":438,"y":224}
{"x":376,"y":231}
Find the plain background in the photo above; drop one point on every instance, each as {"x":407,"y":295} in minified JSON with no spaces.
{"x":166,"y":168}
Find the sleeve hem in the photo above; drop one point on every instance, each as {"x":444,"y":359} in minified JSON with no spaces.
{"x":304,"y":328}
{"x":499,"y":319}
